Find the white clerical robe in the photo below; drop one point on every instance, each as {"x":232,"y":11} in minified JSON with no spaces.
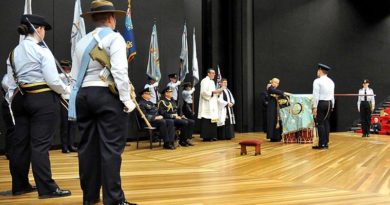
{"x":208,"y":102}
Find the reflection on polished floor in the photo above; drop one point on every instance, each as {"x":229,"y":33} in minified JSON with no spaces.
{"x":354,"y":170}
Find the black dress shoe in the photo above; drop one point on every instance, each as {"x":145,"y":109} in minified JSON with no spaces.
{"x":25,"y":191}
{"x":65,"y":151}
{"x":183,"y":144}
{"x":91,"y":202}
{"x":72,"y":149}
{"x":57,"y":193}
{"x":169,"y":146}
{"x":126,"y":203}
{"x":189,"y":143}
{"x":214,"y":139}
{"x":172,"y":146}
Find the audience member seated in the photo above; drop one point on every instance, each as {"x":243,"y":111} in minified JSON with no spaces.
{"x":165,"y":126}
{"x":376,"y":126}
{"x":168,"y":108}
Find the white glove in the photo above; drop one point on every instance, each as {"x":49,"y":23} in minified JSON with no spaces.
{"x":129,"y":106}
{"x":178,"y":82}
{"x":155,"y":84}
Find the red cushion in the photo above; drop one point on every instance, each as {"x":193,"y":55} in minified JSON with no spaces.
{"x":252,"y":142}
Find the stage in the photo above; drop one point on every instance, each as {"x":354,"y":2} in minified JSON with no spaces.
{"x":354,"y":170}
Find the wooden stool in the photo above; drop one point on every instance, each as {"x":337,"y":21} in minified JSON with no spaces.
{"x":253,"y":143}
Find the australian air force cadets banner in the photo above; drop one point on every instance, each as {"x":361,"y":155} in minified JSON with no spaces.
{"x":298,"y":115}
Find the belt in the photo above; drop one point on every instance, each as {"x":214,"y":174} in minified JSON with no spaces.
{"x":38,"y":87}
{"x":94,"y":83}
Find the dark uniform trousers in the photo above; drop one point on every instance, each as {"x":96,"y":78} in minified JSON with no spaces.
{"x":103,"y":130}
{"x":9,"y":127}
{"x":365,"y":116}
{"x":186,"y":128}
{"x":36,"y":119}
{"x":166,"y":129}
{"x":187,"y":110}
{"x":323,"y":114}
{"x":67,"y":129}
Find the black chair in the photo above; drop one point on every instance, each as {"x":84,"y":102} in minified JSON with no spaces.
{"x":152,"y":131}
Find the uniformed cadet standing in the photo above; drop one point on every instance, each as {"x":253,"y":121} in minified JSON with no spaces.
{"x":323,"y":104}
{"x":152,"y":85}
{"x":165,"y":127}
{"x":187,"y":101}
{"x":168,"y":108}
{"x":174,"y":85}
{"x":36,"y":109}
{"x":366,"y":105}
{"x":102,"y":116}
{"x":67,"y":127}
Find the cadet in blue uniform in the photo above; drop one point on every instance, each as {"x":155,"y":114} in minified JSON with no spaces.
{"x":323,"y":104}
{"x":36,"y":109}
{"x":67,"y":128}
{"x":174,"y":85}
{"x":366,"y":105}
{"x":165,"y":126}
{"x":102,"y":115}
{"x":152,"y":85}
{"x":187,"y":101}
{"x":168,"y":108}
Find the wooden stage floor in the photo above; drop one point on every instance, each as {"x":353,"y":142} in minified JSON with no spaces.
{"x":354,"y":170}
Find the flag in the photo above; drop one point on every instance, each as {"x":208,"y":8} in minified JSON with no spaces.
{"x":27,"y":10}
{"x":153,"y":69}
{"x":78,"y":27}
{"x":129,"y":36}
{"x":184,"y":55}
{"x":297,"y":115}
{"x":219,"y":78}
{"x":195,"y":69}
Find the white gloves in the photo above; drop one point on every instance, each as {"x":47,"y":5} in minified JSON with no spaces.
{"x":129,"y":106}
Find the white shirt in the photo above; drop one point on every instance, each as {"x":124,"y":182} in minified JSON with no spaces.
{"x":34,"y":63}
{"x":115,"y":46}
{"x":371,"y":99}
{"x":153,"y":92}
{"x":174,"y":87}
{"x":323,"y":89}
{"x":187,"y":95}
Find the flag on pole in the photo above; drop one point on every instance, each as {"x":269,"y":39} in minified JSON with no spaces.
{"x":184,"y":55}
{"x":129,"y":35}
{"x":27,"y":10}
{"x":219,"y":77}
{"x":153,"y":69}
{"x":78,"y":27}
{"x":195,"y":68}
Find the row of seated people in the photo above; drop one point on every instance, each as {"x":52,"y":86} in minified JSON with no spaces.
{"x":165,"y":118}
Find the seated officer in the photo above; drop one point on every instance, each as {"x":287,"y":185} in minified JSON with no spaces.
{"x":165,"y":126}
{"x":168,"y":108}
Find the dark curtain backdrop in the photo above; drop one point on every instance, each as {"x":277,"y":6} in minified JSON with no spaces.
{"x":353,"y":37}
{"x":169,"y":15}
